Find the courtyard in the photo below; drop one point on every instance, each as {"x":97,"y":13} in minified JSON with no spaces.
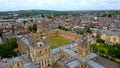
{"x":57,"y":41}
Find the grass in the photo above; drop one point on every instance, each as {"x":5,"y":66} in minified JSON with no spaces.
{"x":102,"y":47}
{"x":118,"y":65}
{"x":57,"y":41}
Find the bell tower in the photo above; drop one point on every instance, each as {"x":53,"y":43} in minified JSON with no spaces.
{"x":40,"y":53}
{"x":83,"y":49}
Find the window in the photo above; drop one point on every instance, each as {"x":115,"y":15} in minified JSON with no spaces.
{"x":45,"y":50}
{"x":40,"y":44}
{"x":114,"y":39}
{"x":40,"y":51}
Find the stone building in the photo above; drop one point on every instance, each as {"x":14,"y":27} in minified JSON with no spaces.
{"x":40,"y":54}
{"x":110,"y":37}
{"x":37,"y":54}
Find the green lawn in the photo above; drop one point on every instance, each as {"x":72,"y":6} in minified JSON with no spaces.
{"x":102,"y":47}
{"x":118,"y":65}
{"x":57,"y":41}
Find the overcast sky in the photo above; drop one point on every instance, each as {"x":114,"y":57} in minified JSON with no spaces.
{"x":11,"y":5}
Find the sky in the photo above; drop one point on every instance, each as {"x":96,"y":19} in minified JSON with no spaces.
{"x":61,"y":5}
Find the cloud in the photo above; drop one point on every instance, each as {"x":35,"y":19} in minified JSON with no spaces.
{"x":9,"y":5}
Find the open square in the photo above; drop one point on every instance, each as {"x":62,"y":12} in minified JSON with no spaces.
{"x":57,"y":41}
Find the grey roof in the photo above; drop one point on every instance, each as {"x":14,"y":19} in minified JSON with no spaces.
{"x":94,"y":64}
{"x":56,"y":50}
{"x":18,"y":36}
{"x":29,"y":65}
{"x":26,"y":41}
{"x":92,"y":55}
{"x":73,"y":64}
{"x":90,"y":39}
{"x":110,"y":33}
{"x":14,"y":60}
{"x":23,"y":39}
{"x":71,"y":45}
{"x":6,"y":20}
{"x":0,"y":64}
{"x":72,"y":53}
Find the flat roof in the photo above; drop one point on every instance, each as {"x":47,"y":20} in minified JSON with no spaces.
{"x":73,"y":64}
{"x":72,"y":53}
{"x":30,"y":65}
{"x":94,"y":64}
{"x":14,"y":60}
{"x":92,"y":55}
{"x":26,"y":41}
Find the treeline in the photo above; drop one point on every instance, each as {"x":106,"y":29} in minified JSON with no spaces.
{"x":22,"y":13}
{"x":7,"y":49}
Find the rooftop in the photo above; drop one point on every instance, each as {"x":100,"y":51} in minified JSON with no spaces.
{"x":29,"y":65}
{"x":94,"y":64}
{"x":73,"y":64}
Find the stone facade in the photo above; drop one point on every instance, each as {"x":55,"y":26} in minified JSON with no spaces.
{"x":22,"y":47}
{"x":36,"y":37}
{"x":110,"y":38}
{"x":40,"y":54}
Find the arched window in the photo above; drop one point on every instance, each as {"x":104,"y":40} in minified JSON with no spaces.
{"x":45,"y":50}
{"x":40,"y":52}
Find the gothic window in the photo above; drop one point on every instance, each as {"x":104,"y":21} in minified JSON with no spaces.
{"x":41,"y":32}
{"x":45,"y":62}
{"x":45,"y":50}
{"x":40,"y":51}
{"x":114,"y":39}
{"x":39,"y":64}
{"x":42,"y":63}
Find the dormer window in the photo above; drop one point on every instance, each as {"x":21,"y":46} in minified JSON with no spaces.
{"x":40,"y":44}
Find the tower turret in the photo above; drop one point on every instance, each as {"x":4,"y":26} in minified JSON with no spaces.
{"x":83,"y":49}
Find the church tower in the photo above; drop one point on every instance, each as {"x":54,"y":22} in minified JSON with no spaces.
{"x":40,"y":53}
{"x":83,"y":49}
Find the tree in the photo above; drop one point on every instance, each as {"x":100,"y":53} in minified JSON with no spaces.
{"x":24,"y":22}
{"x":31,"y":20}
{"x":63,"y":28}
{"x":100,"y":41}
{"x":7,"y":49}
{"x":1,"y":33}
{"x":79,"y":32}
{"x":30,"y":28}
{"x":34,"y":27}
{"x":87,"y":29}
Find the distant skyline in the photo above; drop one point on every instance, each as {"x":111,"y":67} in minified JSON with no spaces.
{"x":60,"y":5}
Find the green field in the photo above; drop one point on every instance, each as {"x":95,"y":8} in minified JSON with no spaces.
{"x":57,"y":41}
{"x":101,"y":48}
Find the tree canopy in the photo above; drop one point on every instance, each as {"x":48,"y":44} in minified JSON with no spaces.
{"x":33,"y":28}
{"x":100,"y":41}
{"x":1,"y":33}
{"x":63,"y":28}
{"x":7,"y":49}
